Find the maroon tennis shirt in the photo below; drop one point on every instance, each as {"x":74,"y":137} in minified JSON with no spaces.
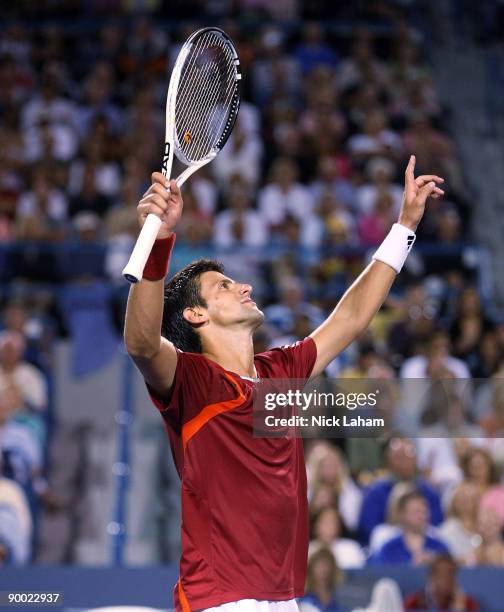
{"x":244,"y":500}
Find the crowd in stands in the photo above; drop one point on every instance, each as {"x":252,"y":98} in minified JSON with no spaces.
{"x":307,"y":186}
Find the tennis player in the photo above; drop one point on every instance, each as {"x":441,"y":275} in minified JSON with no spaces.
{"x":244,"y":499}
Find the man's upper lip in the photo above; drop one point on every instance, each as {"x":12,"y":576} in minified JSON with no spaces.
{"x":249,"y":299}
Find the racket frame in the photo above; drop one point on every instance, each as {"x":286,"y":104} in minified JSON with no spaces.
{"x":134,"y":269}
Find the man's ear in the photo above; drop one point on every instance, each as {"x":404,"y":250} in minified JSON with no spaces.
{"x":195,"y":316}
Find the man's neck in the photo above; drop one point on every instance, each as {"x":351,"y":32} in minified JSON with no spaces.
{"x":232,"y":350}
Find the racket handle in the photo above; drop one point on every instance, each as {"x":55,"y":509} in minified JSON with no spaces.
{"x":133,"y":271}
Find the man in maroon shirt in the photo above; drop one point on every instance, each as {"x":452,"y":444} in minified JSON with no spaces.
{"x":442,"y":591}
{"x":244,"y":503}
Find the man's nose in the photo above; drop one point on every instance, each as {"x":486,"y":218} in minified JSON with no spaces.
{"x":246,"y":289}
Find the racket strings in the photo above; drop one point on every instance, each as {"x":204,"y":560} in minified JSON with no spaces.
{"x":204,"y":102}
{"x":205,"y":113}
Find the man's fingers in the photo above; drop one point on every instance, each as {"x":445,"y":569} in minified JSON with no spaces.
{"x":425,"y":192}
{"x":160,"y":190}
{"x":409,"y":175}
{"x":149,"y":208}
{"x":157,"y":177}
{"x":427,"y":178}
{"x":174,"y":188}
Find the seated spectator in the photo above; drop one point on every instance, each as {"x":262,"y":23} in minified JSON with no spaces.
{"x":282,"y":314}
{"x":89,"y":199}
{"x":459,"y":529}
{"x":384,"y":532}
{"x":313,"y":51}
{"x":414,"y":326}
{"x":442,"y":591}
{"x":469,"y":325}
{"x":479,"y":468}
{"x":240,"y":156}
{"x":437,"y":452}
{"x":380,"y":172}
{"x":328,"y":467}
{"x":375,"y":225}
{"x":321,"y":583}
{"x":284,"y":195}
{"x":385,"y":597}
{"x":375,"y":139}
{"x":42,"y":211}
{"x":401,"y":462}
{"x":15,"y":524}
{"x":493,"y":422}
{"x":413,"y":545}
{"x":240,"y":224}
{"x":330,"y":180}
{"x":26,"y":377}
{"x":437,"y":362}
{"x":21,"y":444}
{"x":327,"y":533}
{"x":490,"y":525}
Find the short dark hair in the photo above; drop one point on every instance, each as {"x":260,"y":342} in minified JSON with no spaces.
{"x":405,"y":499}
{"x":181,"y":292}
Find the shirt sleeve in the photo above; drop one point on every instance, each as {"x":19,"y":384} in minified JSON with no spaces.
{"x":292,"y":361}
{"x":196,"y":383}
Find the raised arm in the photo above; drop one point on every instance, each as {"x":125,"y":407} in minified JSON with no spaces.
{"x":365,"y":296}
{"x":155,"y":357}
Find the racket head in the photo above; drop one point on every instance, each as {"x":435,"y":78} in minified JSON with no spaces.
{"x":203,"y":97}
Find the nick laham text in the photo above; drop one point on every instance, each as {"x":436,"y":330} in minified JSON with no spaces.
{"x":323,"y":421}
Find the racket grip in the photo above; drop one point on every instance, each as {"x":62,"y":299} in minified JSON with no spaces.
{"x":133,"y":271}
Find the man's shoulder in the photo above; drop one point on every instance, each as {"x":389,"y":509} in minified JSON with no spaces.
{"x":379,"y":486}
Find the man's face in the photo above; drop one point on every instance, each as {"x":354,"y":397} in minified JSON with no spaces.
{"x":401,"y":458}
{"x":229,"y":303}
{"x":415,"y":515}
{"x":443,"y":580}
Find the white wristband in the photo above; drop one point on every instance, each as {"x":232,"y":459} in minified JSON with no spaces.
{"x":396,"y":246}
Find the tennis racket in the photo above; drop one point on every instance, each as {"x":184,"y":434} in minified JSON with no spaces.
{"x":201,"y":109}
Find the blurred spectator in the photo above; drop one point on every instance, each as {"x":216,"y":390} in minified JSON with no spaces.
{"x":292,"y":303}
{"x":401,"y":461}
{"x":327,"y":468}
{"x":437,"y":361}
{"x":240,"y":224}
{"x":385,"y":596}
{"x":414,"y":327}
{"x":89,"y":199}
{"x":362,"y":66}
{"x":15,"y":524}
{"x":459,"y":529}
{"x":313,"y":51}
{"x":381,"y":173}
{"x":25,"y":376}
{"x":490,"y":524}
{"x":375,"y":139}
{"x":413,"y":545}
{"x":321,"y":583}
{"x":479,"y":468}
{"x":329,"y":180}
{"x":284,"y":196}
{"x":468,"y":327}
{"x":42,"y":211}
{"x":327,"y":532}
{"x":446,"y":418}
{"x":240,"y":156}
{"x":442,"y":591}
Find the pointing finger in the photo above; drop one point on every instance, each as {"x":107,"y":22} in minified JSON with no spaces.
{"x":409,"y":176}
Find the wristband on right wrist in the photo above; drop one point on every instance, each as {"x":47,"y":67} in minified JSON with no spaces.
{"x":395,"y":248}
{"x":158,"y":264}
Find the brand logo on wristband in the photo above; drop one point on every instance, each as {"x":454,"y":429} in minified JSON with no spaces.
{"x":410,"y":241}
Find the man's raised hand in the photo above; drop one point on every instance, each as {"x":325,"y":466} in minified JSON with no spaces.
{"x":163,"y":199}
{"x":416,"y":192}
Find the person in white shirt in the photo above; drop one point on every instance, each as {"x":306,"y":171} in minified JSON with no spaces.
{"x":284,"y":195}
